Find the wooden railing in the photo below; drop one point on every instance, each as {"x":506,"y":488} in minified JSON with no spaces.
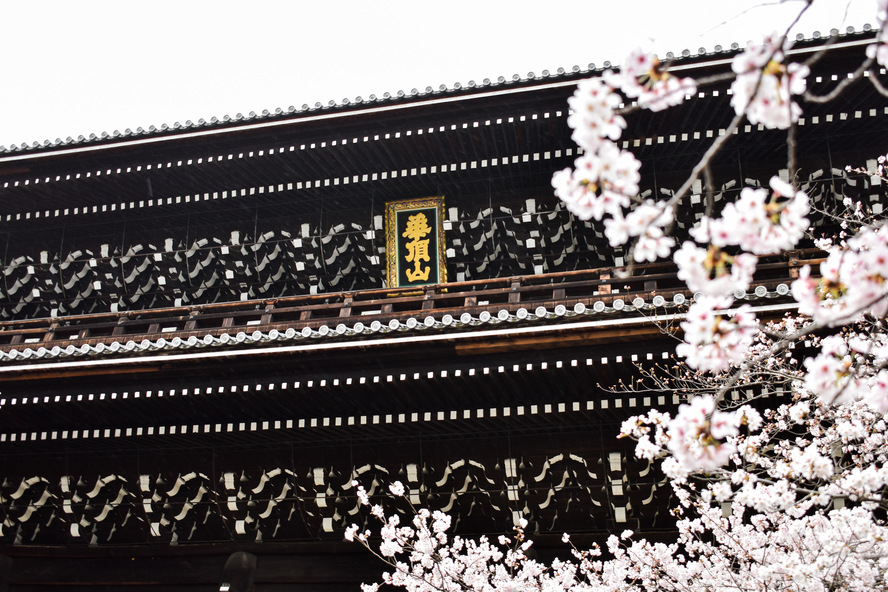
{"x":473,"y":297}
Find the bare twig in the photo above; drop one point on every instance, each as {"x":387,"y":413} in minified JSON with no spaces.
{"x":822,"y":52}
{"x":878,"y":86}
{"x":700,"y":82}
{"x":710,"y":190}
{"x":791,"y":155}
{"x":841,"y":86}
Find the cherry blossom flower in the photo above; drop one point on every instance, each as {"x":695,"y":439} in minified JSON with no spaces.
{"x":712,"y":272}
{"x":764,"y":86}
{"x":646,"y":222}
{"x":829,"y":373}
{"x":592,"y":115}
{"x":600,"y":183}
{"x":876,"y":392}
{"x":653,"y":245}
{"x":879,"y":51}
{"x":853,"y":282}
{"x":698,"y":436}
{"x":761,"y":223}
{"x":794,"y":491}
{"x":714,"y":336}
{"x":643,"y":77}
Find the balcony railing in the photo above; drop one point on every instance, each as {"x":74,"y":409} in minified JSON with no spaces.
{"x":586,"y":287}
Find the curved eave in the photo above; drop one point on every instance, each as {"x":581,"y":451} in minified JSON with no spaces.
{"x":686,"y":62}
{"x":486,"y":339}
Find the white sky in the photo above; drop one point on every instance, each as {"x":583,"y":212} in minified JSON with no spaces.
{"x":70,"y":68}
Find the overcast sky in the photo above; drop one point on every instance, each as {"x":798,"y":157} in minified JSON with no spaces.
{"x":70,"y":68}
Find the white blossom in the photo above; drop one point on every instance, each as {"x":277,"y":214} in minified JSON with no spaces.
{"x":716,"y":336}
{"x":643,"y":77}
{"x":783,"y":493}
{"x":397,"y":489}
{"x":764,"y":86}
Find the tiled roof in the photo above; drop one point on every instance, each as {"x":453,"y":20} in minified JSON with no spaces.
{"x":292,"y":112}
{"x":411,"y":327}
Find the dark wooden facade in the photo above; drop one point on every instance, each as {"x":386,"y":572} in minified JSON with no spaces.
{"x":198,"y":352}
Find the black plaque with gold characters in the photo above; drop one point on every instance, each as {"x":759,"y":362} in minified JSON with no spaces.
{"x":414,"y":231}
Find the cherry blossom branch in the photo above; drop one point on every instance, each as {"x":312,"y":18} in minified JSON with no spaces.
{"x":791,"y":155}
{"x":877,"y":84}
{"x":701,"y":82}
{"x":780,"y":466}
{"x":777,"y":348}
{"x":735,"y":122}
{"x":841,"y":86}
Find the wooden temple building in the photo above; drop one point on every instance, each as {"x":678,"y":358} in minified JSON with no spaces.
{"x":202,"y":342}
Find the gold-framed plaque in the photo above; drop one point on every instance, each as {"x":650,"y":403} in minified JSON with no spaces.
{"x":414,"y":242}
